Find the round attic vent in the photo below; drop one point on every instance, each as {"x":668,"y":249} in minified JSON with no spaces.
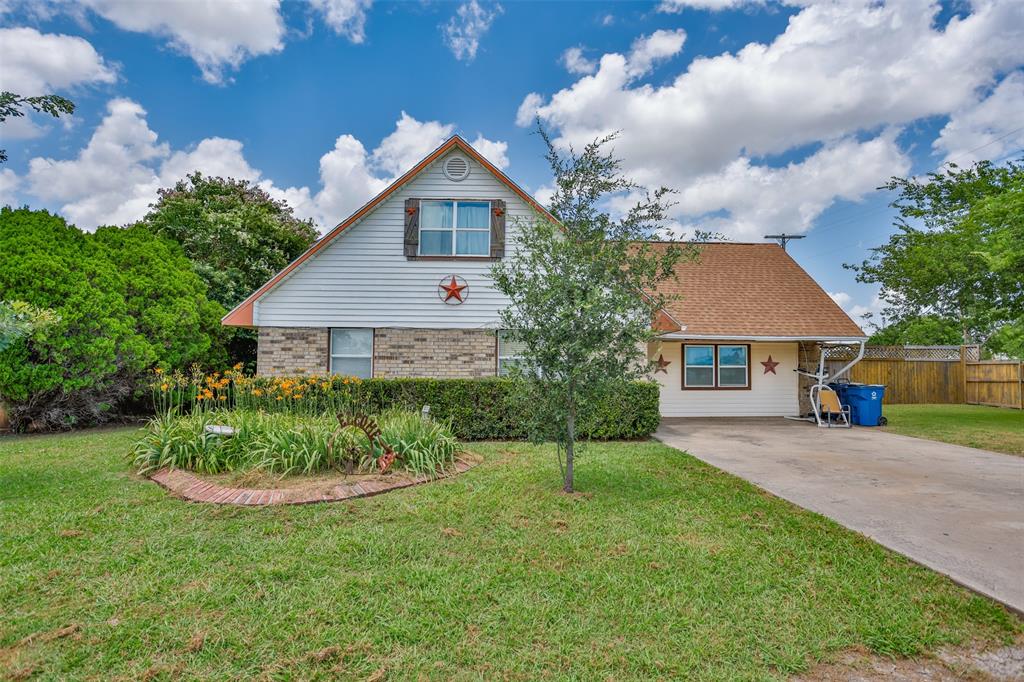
{"x":456,"y":168}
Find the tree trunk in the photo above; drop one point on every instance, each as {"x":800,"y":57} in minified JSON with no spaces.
{"x":570,"y":433}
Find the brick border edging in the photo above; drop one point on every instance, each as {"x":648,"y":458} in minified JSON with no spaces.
{"x":188,"y":486}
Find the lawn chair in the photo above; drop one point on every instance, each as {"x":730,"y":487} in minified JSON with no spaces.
{"x":828,"y":408}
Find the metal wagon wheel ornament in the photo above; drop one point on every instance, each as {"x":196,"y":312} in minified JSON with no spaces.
{"x":453,"y":290}
{"x":368,"y":425}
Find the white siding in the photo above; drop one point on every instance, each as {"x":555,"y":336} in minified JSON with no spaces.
{"x":770,"y":395}
{"x":362,"y":279}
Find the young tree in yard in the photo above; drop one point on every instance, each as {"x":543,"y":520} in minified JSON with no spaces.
{"x":582,"y":292}
{"x":958,"y":252}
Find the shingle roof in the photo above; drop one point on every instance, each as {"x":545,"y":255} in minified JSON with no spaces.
{"x":753,"y":290}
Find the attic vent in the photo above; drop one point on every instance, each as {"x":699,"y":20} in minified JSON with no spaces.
{"x":456,"y":168}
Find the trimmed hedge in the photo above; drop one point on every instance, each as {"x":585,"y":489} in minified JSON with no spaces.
{"x":483,"y":409}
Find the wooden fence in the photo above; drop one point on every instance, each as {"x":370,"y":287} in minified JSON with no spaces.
{"x":936,"y":374}
{"x":994,"y":382}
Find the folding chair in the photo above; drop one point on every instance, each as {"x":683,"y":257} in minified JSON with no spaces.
{"x":830,"y":407}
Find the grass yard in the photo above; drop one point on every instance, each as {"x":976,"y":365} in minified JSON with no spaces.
{"x":666,"y":568}
{"x":976,"y":426}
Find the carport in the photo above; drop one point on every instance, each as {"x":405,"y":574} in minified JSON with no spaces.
{"x":957,"y":510}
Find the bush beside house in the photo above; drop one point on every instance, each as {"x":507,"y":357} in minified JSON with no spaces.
{"x":125,"y":300}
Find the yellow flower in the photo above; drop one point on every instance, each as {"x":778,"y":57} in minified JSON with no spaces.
{"x":199,"y":397}
{"x":164,"y":386}
{"x":257,"y":392}
{"x":223,"y":397}
{"x":239,"y":365}
{"x":279,"y":398}
{"x":158,"y":370}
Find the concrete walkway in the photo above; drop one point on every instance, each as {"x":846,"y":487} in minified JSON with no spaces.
{"x":957,"y":510}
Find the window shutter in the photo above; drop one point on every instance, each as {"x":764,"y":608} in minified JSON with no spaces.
{"x":412,"y":226}
{"x":497,"y":229}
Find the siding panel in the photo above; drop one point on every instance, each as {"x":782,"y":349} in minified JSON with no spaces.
{"x":363,"y":279}
{"x":770,"y":395}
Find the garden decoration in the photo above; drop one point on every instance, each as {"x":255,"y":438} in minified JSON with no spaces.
{"x":368,"y":425}
{"x":769,"y":365}
{"x":453,"y":287}
{"x":662,"y":364}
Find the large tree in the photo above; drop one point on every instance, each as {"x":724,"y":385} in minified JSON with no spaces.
{"x":235,"y":234}
{"x":13,"y":106}
{"x":958,"y":250}
{"x":582,"y":291}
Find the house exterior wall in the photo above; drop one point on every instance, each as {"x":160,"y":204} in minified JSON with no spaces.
{"x":809,"y":356}
{"x":363,"y":279}
{"x":397,"y":352}
{"x":769,"y":395}
{"x":434,"y":353}
{"x":296,"y":350}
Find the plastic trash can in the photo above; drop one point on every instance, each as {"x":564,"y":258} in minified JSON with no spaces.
{"x":865,"y":402}
{"x":840,"y":388}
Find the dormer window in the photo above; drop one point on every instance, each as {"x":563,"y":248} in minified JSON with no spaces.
{"x":455,"y":228}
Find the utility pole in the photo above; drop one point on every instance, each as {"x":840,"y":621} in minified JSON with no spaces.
{"x":784,"y":238}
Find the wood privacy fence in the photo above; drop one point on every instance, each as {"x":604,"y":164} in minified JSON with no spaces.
{"x":935,"y":374}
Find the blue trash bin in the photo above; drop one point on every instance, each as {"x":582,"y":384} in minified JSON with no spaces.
{"x":865,"y":402}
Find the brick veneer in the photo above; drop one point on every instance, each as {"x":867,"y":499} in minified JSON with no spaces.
{"x":292,"y":350}
{"x":434,"y":353}
{"x":808,"y":356}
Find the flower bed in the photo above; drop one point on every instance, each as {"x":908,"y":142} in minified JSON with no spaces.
{"x":289,"y":444}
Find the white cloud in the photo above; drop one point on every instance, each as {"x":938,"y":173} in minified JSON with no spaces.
{"x":838,"y":73}
{"x":575,"y":62}
{"x":527,"y":112}
{"x":9,"y":183}
{"x":463,"y":31}
{"x":649,"y":50}
{"x":676,"y":6}
{"x":115,"y":177}
{"x":857,"y":311}
{"x":37,"y":63}
{"x":345,"y":17}
{"x":217,"y":36}
{"x":986,"y":128}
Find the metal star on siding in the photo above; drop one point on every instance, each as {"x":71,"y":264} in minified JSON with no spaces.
{"x":769,"y":365}
{"x":662,"y":364}
{"x":452,"y":290}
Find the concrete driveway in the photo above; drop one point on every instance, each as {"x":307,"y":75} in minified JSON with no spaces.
{"x":957,"y":510}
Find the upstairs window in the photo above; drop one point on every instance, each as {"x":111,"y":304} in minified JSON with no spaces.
{"x":455,"y":228}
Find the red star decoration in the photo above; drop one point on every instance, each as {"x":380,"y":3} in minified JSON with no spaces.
{"x":662,"y":364}
{"x":453,"y":290}
{"x":769,"y":365}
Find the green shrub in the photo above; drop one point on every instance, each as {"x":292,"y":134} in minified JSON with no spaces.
{"x":124,"y":300}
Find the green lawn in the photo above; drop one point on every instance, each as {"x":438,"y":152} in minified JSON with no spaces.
{"x":976,"y":426}
{"x":665,"y":568}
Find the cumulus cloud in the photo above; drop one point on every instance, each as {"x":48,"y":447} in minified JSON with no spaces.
{"x":37,"y":63}
{"x":986,"y":128}
{"x":115,"y":177}
{"x":345,"y":17}
{"x":217,"y":36}
{"x":463,"y":31}
{"x":838,"y":74}
{"x":858,"y":311}
{"x":575,"y":62}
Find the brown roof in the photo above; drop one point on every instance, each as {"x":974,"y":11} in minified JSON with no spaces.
{"x":753,"y":290}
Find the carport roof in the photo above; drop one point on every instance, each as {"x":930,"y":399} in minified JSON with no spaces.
{"x":752,"y":291}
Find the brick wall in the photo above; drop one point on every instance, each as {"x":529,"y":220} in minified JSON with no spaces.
{"x":292,"y":350}
{"x":435,"y":353}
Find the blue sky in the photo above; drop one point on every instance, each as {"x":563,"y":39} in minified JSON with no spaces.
{"x":766,"y":116}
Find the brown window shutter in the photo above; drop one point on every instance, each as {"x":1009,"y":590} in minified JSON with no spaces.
{"x":497,"y":229}
{"x":412,"y":227}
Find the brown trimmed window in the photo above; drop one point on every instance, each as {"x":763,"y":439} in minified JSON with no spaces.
{"x":716,"y":366}
{"x":455,"y":228}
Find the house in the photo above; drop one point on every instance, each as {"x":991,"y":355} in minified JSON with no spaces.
{"x":401,"y":289}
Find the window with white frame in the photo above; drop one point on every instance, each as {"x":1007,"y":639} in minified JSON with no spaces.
{"x":725,"y":366}
{"x":352,"y":352}
{"x":732,"y":366}
{"x":699,"y":367}
{"x":510,"y":353}
{"x":455,"y":228}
